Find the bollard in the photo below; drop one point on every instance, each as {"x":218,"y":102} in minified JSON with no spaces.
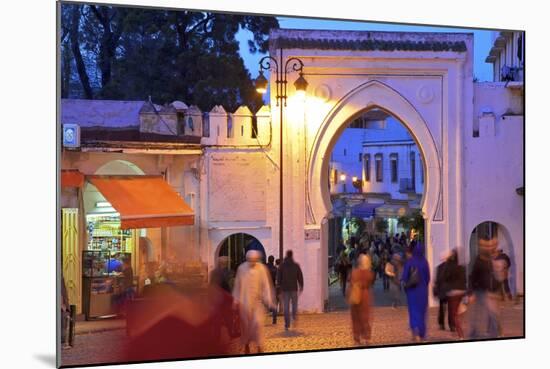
{"x":72,"y":322}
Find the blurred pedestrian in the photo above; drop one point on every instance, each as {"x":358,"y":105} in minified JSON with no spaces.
{"x":221,"y":276}
{"x":253,"y":289}
{"x":416,"y":277}
{"x":454,"y":279}
{"x":503,"y":264}
{"x":173,"y":325}
{"x":440,"y":290}
{"x":343,"y":266}
{"x":481,"y":284}
{"x":126,"y":280}
{"x":273,"y":273}
{"x":291,"y":281}
{"x":362,"y":279}
{"x":352,"y":254}
{"x":393,"y":270}
{"x":278,"y":289}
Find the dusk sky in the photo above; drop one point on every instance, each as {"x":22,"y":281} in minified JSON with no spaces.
{"x":482,"y":39}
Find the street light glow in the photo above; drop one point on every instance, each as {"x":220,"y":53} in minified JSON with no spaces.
{"x":261,"y":83}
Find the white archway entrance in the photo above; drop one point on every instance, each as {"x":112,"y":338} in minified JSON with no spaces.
{"x":373,"y":94}
{"x":427,"y":85}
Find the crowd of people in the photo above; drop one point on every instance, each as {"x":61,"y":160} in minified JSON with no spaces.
{"x":274,"y":287}
{"x":401,"y":264}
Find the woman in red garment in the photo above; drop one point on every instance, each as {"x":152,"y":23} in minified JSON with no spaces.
{"x":362,"y":279}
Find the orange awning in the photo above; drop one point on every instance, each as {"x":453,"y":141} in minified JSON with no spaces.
{"x":71,"y":178}
{"x":144,"y":201}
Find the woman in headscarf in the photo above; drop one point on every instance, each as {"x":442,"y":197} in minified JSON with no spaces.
{"x":253,"y":289}
{"x":416,"y":278}
{"x":362,"y":279}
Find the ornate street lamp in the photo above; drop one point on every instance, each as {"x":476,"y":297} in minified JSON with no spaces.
{"x":281,"y":70}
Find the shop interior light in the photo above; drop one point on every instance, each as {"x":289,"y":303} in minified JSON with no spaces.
{"x":104,"y":214}
{"x":103,"y":204}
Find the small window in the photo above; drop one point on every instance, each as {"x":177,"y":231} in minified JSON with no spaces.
{"x":367,"y":167}
{"x":345,"y":152}
{"x":242,"y":131}
{"x":379,"y":169}
{"x":229,"y":126}
{"x":206,"y":125}
{"x":393,"y":166}
{"x":181,"y":123}
{"x":254,"y":127}
{"x":360,"y":157}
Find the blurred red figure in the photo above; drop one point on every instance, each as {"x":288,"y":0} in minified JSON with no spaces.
{"x":362,"y":279}
{"x":172,"y":325}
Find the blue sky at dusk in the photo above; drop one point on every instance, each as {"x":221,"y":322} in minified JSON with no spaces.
{"x":482,"y":39}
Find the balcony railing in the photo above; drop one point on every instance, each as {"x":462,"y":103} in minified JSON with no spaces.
{"x":407,"y":185}
{"x":514,"y":74}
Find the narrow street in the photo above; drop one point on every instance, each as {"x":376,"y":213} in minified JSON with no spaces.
{"x":313,"y":331}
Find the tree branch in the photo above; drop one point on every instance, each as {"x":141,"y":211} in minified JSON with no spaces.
{"x":75,"y":48}
{"x":201,"y":22}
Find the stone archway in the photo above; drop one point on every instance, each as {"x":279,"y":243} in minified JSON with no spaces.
{"x":235,"y":247}
{"x":370,"y":95}
{"x":490,"y":229}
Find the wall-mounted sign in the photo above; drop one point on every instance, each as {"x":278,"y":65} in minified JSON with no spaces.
{"x":71,"y":135}
{"x":312,"y":234}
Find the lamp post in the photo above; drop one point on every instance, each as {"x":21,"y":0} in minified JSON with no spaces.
{"x":281,"y":70}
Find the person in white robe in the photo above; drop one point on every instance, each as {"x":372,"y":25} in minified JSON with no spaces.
{"x":253,"y":291}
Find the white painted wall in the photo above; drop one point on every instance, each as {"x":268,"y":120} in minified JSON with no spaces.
{"x":494,"y":169}
{"x":345,"y":158}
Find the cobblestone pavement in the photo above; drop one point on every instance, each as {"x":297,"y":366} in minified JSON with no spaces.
{"x":313,"y":332}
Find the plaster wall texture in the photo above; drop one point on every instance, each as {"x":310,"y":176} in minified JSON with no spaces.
{"x":495,"y":169}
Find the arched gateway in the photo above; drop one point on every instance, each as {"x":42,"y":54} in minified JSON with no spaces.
{"x":424,"y":80}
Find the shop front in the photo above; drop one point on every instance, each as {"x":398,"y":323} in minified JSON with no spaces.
{"x":119,"y":212}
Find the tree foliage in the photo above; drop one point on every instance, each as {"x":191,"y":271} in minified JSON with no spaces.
{"x":381,"y":225}
{"x":413,"y":221}
{"x":112,"y":52}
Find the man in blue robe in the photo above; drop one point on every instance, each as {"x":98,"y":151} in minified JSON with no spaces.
{"x":417,"y":294}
